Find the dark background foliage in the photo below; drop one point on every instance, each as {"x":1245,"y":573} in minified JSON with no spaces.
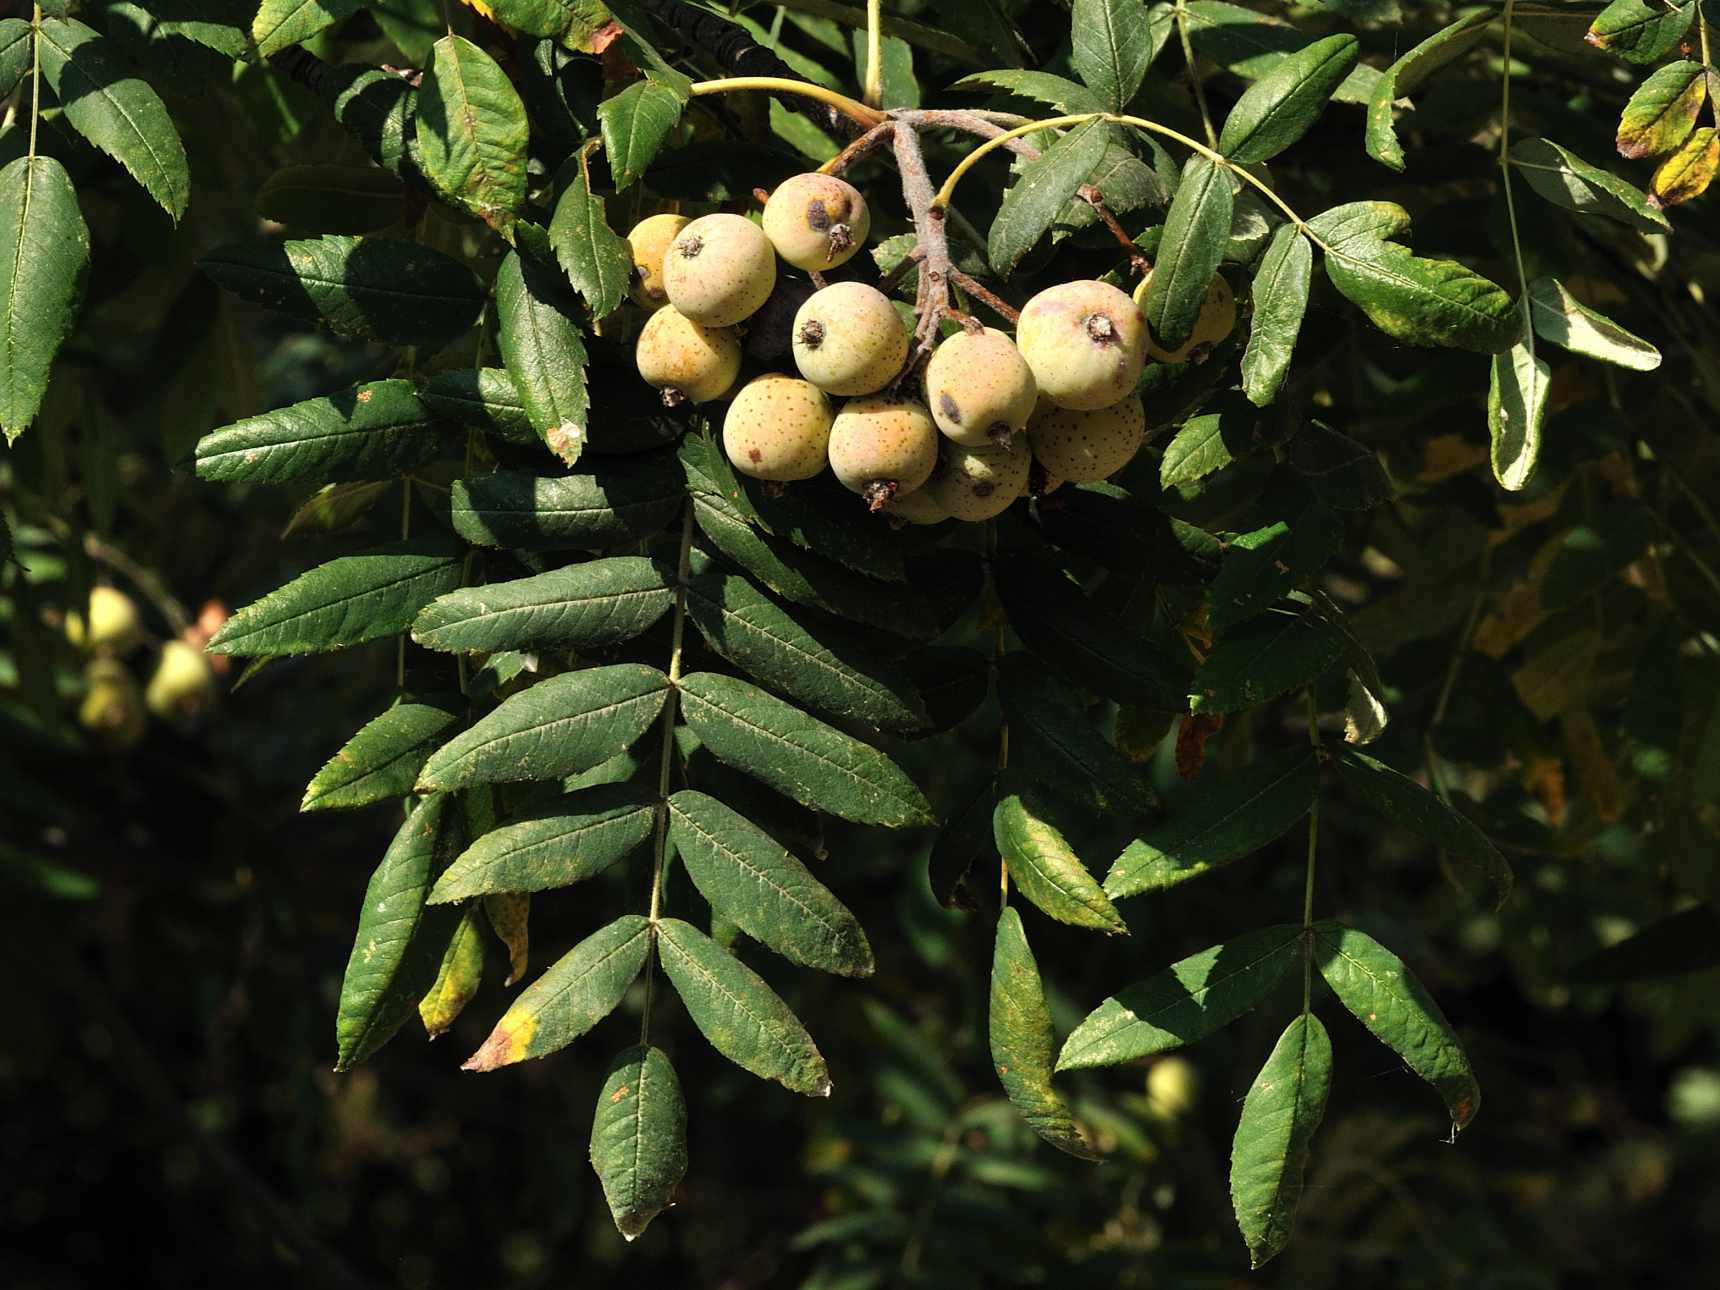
{"x":173,"y":931}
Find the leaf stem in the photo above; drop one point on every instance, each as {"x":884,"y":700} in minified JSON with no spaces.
{"x":35,"y":74}
{"x":666,"y":764}
{"x":851,"y":108}
{"x":1505,"y":177}
{"x":874,"y":91}
{"x":1308,"y":873}
{"x":405,"y":532}
{"x":1194,"y":73}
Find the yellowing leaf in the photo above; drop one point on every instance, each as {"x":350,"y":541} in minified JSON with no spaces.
{"x":1687,"y":172}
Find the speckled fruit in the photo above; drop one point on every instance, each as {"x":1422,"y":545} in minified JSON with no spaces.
{"x":687,"y":360}
{"x":816,"y":221}
{"x":978,"y":483}
{"x":918,"y":507}
{"x":649,"y":240}
{"x":778,"y":428}
{"x":849,"y":339}
{"x":1217,"y":318}
{"x":1086,"y":343}
{"x":883,"y":448}
{"x":719,"y":270}
{"x":979,"y":388}
{"x":1085,"y":447}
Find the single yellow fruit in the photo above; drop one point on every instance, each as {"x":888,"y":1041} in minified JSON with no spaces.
{"x":649,"y":240}
{"x":112,"y":709}
{"x":778,"y":428}
{"x":111,"y":625}
{"x":815,"y":221}
{"x":1173,"y":1086}
{"x":1217,"y":318}
{"x":979,"y":483}
{"x":849,"y":339}
{"x":979,"y":388}
{"x":1085,"y":447}
{"x":1086,"y":344}
{"x":719,"y":269}
{"x":687,"y":360}
{"x":883,"y":448}
{"x":183,"y":686}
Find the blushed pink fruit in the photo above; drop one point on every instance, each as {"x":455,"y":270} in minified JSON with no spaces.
{"x":1085,"y":447}
{"x":719,"y":270}
{"x":815,"y":221}
{"x":882,"y":447}
{"x":1086,"y":343}
{"x":778,"y":428}
{"x":979,"y":388}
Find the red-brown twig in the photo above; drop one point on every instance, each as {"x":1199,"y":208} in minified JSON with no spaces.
{"x":1002,"y":308}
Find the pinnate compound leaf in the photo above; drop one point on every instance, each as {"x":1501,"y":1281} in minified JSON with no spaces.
{"x":1113,"y":43}
{"x":1191,"y":999}
{"x":595,"y":258}
{"x":544,"y":351}
{"x":1196,"y":228}
{"x":486,"y":398}
{"x":1042,"y":704}
{"x":281,"y":23}
{"x":798,"y":755}
{"x":817,"y":668}
{"x":1281,"y":285}
{"x":1566,"y":180}
{"x":399,"y":947}
{"x":1421,"y":301}
{"x":1023,"y":1043}
{"x":1263,"y":659}
{"x":1374,"y":984}
{"x":44,"y":256}
{"x":1344,"y":474}
{"x":376,"y":429}
{"x":459,"y":977}
{"x":639,"y":1138}
{"x":1561,"y":319}
{"x":1410,"y":72}
{"x":1401,"y":800}
{"x":472,"y":133}
{"x":1284,"y":1107}
{"x":1260,"y":568}
{"x":579,"y":990}
{"x":1280,"y":107}
{"x":383,"y":759}
{"x":1208,"y":443}
{"x":1686,"y":174}
{"x":347,"y":601}
{"x":759,"y":887}
{"x":1251,"y":43}
{"x":1058,"y":92}
{"x":742,"y":1017}
{"x":560,"y":842}
{"x":579,"y":607}
{"x":116,"y":110}
{"x":1516,"y":410}
{"x":619,"y":502}
{"x":635,"y":125}
{"x":1030,"y":207}
{"x":1641,"y":31}
{"x":1372,"y":221}
{"x":560,"y":726}
{"x":1663,"y":111}
{"x":1046,"y":871}
{"x":1228,"y":817}
{"x":385,"y":289}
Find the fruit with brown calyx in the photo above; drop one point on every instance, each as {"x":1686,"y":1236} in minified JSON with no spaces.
{"x":979,"y":483}
{"x":815,"y":221}
{"x":719,"y":270}
{"x":688,"y":361}
{"x":979,"y":388}
{"x":881,"y":447}
{"x":849,"y":339}
{"x":1085,"y":342}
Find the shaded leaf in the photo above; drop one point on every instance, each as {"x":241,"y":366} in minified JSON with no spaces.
{"x":1191,"y":999}
{"x":1344,"y":474}
{"x":1058,"y":92}
{"x":1688,"y":941}
{"x":563,"y":841}
{"x":510,"y":918}
{"x":486,"y":398}
{"x":744,"y":1019}
{"x":1042,"y":704}
{"x":332,"y":199}
{"x":1207,"y":444}
{"x":1046,"y":871}
{"x":44,"y":255}
{"x":1228,"y":817}
{"x":639,"y":1138}
{"x":383,"y":759}
{"x":579,"y":990}
{"x":1263,"y":659}
{"x":1568,"y":181}
{"x":1284,"y":1107}
{"x":1260,"y":568}
{"x":1687,"y":173}
{"x":1590,"y":555}
{"x":751,"y":881}
{"x":1022,"y":1040}
{"x":1374,"y":984}
{"x":459,"y":977}
{"x":619,"y":502}
{"x":375,"y":429}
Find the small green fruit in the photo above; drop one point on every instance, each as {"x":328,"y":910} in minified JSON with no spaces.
{"x":685,"y":359}
{"x":815,"y":221}
{"x":719,"y":269}
{"x":649,"y":240}
{"x":112,"y":708}
{"x":980,"y":388}
{"x":183,"y":685}
{"x":1086,"y":343}
{"x":111,"y":626}
{"x":778,"y":428}
{"x":979,"y":483}
{"x":883,"y":448}
{"x":1085,"y":447}
{"x":849,"y":339}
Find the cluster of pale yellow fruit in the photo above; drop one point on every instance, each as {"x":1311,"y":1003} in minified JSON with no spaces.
{"x":114,"y":709}
{"x":961,"y":441}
